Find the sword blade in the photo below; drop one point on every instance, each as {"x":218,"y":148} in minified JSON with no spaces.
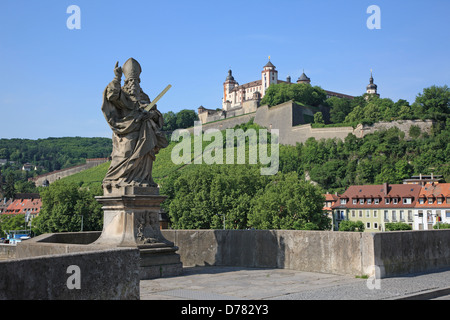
{"x":150,"y":106}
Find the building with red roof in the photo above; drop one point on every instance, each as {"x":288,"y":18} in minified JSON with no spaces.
{"x":376,"y":205}
{"x":25,"y":203}
{"x":433,"y":206}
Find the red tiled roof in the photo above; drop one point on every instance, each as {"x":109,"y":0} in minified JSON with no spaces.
{"x":22,"y":206}
{"x":365,"y":192}
{"x":435,"y":191}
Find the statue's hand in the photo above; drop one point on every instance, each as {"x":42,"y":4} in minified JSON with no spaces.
{"x":118,"y":71}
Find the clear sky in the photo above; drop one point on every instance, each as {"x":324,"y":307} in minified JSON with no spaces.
{"x":52,"y":78}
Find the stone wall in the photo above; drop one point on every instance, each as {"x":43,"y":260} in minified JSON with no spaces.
{"x":291,"y":121}
{"x":56,"y":175}
{"x":352,"y":253}
{"x":404,"y":252}
{"x":106,"y":274}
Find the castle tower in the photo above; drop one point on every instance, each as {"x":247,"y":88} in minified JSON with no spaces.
{"x":372,"y":87}
{"x":303,"y":78}
{"x":228,"y":85}
{"x":269,"y":75}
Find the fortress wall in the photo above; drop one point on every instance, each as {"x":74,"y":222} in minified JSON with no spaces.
{"x":56,"y":175}
{"x":403,"y":125}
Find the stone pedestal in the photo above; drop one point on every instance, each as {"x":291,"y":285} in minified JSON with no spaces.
{"x":131,"y":219}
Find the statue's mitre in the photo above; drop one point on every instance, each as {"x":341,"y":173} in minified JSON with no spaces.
{"x":131,"y":69}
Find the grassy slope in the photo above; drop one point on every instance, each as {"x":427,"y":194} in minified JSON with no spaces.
{"x":162,"y":167}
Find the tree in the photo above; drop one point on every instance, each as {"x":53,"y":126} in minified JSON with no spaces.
{"x":204,"y":194}
{"x":302,"y":93}
{"x":289,"y":203}
{"x":186,"y":118}
{"x":396,"y":226}
{"x":63,"y":204}
{"x":433,"y":103}
{"x":318,"y":118}
{"x":339,"y":109}
{"x":348,"y":225}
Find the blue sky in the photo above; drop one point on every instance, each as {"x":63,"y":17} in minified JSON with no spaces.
{"x":52,"y":77}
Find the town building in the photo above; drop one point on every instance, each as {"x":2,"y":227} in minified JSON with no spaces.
{"x":376,"y":205}
{"x":433,"y":206}
{"x":423,"y":179}
{"x":25,"y":203}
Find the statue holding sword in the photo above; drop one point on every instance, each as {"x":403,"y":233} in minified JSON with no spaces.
{"x":136,"y":124}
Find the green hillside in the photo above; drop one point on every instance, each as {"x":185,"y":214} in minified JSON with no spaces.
{"x":94,"y":176}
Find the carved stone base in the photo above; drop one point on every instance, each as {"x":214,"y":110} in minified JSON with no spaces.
{"x":131,"y":219}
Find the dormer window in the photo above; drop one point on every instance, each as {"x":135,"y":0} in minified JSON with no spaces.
{"x":355,"y":201}
{"x":421,"y":200}
{"x":361,"y":201}
{"x":369,"y":201}
{"x":430,"y":200}
{"x":395,"y":200}
{"x":386,"y":200}
{"x":343,"y":201}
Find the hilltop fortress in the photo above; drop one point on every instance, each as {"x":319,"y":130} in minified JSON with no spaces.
{"x":241,"y":103}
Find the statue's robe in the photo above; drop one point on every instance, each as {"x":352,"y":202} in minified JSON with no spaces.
{"x":135,"y":142}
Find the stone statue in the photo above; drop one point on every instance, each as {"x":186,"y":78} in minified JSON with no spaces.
{"x":137,"y":136}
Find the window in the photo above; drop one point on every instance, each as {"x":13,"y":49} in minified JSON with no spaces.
{"x":375,"y":214}
{"x":395,"y":200}
{"x":353,"y":214}
{"x":386,"y":215}
{"x":377,"y":201}
{"x":343,"y":201}
{"x":406,"y":200}
{"x":361,"y":201}
{"x":360,"y":213}
{"x":410,"y":217}
{"x":354,"y":201}
{"x":375,"y":225}
{"x":368,"y":225}
{"x":421,"y":200}
{"x":439,"y":200}
{"x":386,"y":200}
{"x":369,"y":201}
{"x":367,"y":213}
{"x":394,"y":215}
{"x":402,"y":215}
{"x":430,"y":201}
{"x":448,"y":200}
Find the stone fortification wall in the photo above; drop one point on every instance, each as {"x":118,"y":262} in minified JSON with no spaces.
{"x":56,"y":175}
{"x":291,"y":121}
{"x":403,"y":125}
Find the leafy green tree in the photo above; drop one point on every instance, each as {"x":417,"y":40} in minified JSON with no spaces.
{"x":289,"y":203}
{"x":318,"y":118}
{"x":396,"y":226}
{"x":433,"y":103}
{"x":186,"y":118}
{"x":302,"y":93}
{"x":348,"y":225}
{"x":202,"y":195}
{"x":339,"y":109}
{"x":63,"y":204}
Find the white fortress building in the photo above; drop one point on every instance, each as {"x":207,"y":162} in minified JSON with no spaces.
{"x":243,"y":99}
